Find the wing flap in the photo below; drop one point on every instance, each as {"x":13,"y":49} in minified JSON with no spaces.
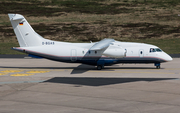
{"x":102,"y":44}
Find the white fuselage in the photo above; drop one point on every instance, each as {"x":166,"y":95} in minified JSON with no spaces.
{"x":79,"y":52}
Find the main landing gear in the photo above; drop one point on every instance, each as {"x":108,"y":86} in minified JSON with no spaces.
{"x":99,"y":67}
{"x":100,"y":64}
{"x":158,"y":65}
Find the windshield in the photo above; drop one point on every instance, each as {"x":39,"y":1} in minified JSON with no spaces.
{"x":155,"y":50}
{"x":158,"y":50}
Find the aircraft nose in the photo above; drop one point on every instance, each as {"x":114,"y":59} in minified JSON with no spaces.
{"x":165,"y":56}
{"x":168,"y":58}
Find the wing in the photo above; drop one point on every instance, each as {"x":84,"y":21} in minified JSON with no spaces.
{"x":102,"y":44}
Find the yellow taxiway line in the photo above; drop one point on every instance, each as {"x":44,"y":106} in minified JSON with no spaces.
{"x":35,"y":71}
{"x":20,"y":74}
{"x":29,"y":72}
{"x":11,"y":71}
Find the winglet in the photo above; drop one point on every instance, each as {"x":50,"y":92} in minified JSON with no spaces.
{"x":102,"y":44}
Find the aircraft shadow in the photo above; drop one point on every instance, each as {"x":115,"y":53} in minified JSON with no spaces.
{"x":90,"y":81}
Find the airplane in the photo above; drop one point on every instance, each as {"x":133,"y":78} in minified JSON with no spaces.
{"x":103,"y":53}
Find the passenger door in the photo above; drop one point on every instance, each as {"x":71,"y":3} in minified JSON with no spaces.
{"x":141,"y":53}
{"x":73,"y":55}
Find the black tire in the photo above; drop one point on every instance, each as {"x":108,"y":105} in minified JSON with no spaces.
{"x":158,"y":67}
{"x":99,"y":67}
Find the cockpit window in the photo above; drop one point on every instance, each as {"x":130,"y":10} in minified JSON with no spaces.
{"x":152,"y":50}
{"x":155,"y":50}
{"x":158,"y":50}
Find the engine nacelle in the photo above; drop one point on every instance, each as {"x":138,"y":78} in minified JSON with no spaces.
{"x":115,"y":52}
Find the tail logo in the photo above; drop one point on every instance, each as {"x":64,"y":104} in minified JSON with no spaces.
{"x":21,"y":23}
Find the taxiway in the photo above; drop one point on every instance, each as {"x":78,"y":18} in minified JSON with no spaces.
{"x":43,"y":86}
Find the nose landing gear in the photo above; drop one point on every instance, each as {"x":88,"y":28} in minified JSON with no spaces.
{"x":158,"y":65}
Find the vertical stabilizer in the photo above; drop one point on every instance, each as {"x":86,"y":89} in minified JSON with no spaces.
{"x":24,"y":32}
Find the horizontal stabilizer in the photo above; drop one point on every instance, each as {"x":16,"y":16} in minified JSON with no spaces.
{"x":15,"y":17}
{"x":102,"y":44}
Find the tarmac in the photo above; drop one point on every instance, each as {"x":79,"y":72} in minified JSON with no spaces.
{"x":42,"y":86}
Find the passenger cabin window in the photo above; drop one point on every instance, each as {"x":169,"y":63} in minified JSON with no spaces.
{"x":141,"y":52}
{"x":155,"y":50}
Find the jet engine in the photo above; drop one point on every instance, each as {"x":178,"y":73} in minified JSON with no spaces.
{"x":115,"y":51}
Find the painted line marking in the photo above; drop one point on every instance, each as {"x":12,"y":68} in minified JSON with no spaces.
{"x":15,"y":82}
{"x":37,"y":71}
{"x":34,"y":71}
{"x":11,"y":71}
{"x":19,"y":74}
{"x":3,"y":73}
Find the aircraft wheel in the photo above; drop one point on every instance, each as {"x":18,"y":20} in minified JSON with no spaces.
{"x":99,"y":67}
{"x":158,"y":67}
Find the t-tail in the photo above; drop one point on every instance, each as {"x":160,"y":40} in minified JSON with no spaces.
{"x":25,"y":34}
